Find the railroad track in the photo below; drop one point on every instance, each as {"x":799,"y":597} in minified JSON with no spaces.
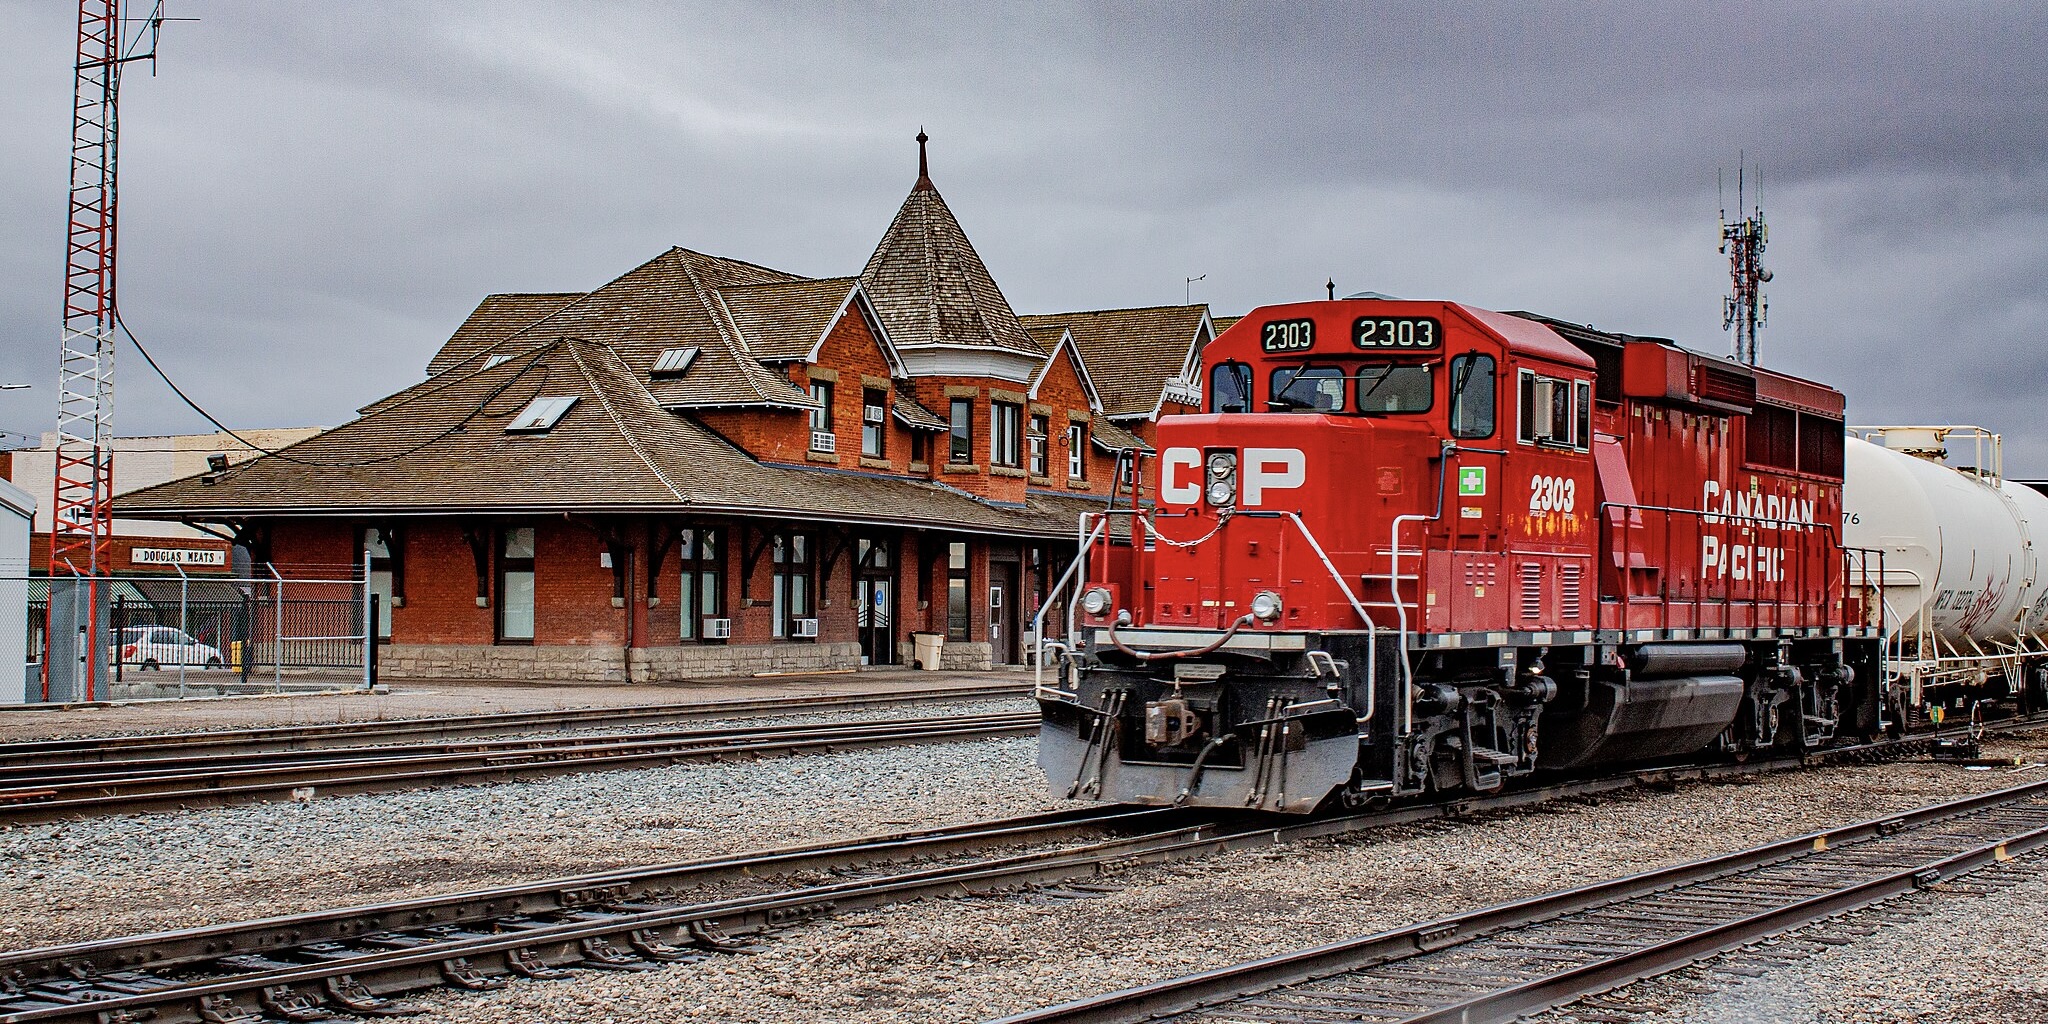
{"x":1498,"y":964}
{"x":40,"y":792}
{"x":307,"y":966}
{"x":457,"y":727}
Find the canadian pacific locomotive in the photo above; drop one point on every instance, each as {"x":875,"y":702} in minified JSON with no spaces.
{"x":1420,"y":546}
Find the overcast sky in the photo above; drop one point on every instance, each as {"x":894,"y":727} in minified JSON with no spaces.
{"x":313,"y":196}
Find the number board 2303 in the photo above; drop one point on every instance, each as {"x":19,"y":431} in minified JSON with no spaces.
{"x":1379,"y":333}
{"x":1288,"y":335}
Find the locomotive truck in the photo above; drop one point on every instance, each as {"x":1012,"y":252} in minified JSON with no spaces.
{"x":1414,"y":547}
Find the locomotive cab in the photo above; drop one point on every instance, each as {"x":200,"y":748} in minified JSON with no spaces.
{"x":1402,"y":541}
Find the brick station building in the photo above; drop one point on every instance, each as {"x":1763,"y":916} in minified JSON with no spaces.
{"x":708,"y":467}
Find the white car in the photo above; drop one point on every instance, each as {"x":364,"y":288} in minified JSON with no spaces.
{"x":153,"y":647}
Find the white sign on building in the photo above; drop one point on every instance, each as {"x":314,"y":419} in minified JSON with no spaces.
{"x":177,"y":556}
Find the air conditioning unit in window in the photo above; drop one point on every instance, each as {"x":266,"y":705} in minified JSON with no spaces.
{"x":824,"y":441}
{"x":717,"y":629}
{"x":871,"y":414}
{"x":807,"y":628}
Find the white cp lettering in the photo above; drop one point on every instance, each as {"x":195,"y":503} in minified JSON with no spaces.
{"x":1174,"y":489}
{"x":1271,"y":469}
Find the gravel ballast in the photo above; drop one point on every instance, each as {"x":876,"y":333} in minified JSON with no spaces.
{"x":954,"y":960}
{"x":62,"y":882}
{"x":973,"y":959}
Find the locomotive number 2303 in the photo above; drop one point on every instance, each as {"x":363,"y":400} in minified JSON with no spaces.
{"x":1397,"y":332}
{"x":1552,"y":494}
{"x":1288,"y":336}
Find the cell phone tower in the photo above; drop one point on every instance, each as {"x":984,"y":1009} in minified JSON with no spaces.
{"x":82,"y":509}
{"x":1745,"y":309}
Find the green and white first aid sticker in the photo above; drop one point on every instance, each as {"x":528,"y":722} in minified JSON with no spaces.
{"x":1471,"y":480}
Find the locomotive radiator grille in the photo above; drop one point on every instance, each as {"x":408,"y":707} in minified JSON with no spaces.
{"x":1568,"y":606}
{"x":1532,"y":590}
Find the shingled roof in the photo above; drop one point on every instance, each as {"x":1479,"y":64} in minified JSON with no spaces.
{"x":493,"y":320}
{"x":442,"y":447}
{"x":930,"y":285}
{"x":785,"y":319}
{"x":1132,"y":354}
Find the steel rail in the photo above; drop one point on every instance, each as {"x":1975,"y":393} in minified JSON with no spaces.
{"x":1333,"y":978}
{"x":475,"y":939}
{"x":198,"y":787}
{"x":149,"y":769}
{"x":454,"y":727}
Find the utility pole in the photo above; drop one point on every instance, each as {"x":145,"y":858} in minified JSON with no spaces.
{"x":82,"y":509}
{"x":1744,"y":309}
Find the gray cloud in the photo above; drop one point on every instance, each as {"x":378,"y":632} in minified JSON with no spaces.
{"x":314,"y":196}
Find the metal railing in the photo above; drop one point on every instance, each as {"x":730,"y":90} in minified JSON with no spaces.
{"x":1778,"y":595}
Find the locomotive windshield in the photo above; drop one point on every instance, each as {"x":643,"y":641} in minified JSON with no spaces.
{"x":1383,"y":389}
{"x":1389,"y":389}
{"x":1308,"y":388}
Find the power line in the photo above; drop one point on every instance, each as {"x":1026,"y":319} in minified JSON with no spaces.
{"x":473,"y":413}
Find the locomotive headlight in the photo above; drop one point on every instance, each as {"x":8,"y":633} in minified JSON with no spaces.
{"x":1267,"y":606}
{"x":1222,"y":488}
{"x":1095,"y":601}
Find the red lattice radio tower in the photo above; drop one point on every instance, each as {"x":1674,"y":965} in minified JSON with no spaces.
{"x":82,"y":512}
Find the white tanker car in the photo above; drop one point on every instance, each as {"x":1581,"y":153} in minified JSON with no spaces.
{"x":1964,"y":597}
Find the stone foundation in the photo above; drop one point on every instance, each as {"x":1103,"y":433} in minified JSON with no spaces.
{"x":956,"y":656}
{"x":667,"y":664}
{"x":600,"y":664}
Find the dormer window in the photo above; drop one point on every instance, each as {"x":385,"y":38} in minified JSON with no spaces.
{"x":497,"y":359}
{"x":540,"y":415}
{"x":674,"y":362}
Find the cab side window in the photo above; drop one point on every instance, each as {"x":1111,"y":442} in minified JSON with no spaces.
{"x":1230,"y":388}
{"x":1472,"y":396}
{"x":1555,"y":412}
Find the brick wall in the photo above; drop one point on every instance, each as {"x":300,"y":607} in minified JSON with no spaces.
{"x":440,"y":588}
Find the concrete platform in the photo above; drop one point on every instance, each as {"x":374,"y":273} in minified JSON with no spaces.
{"x":432,"y":698}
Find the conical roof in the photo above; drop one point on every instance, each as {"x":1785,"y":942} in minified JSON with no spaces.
{"x":929,"y":285}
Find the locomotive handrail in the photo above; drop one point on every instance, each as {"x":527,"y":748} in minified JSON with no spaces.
{"x":1087,"y":541}
{"x":1797,"y":579}
{"x":1372,"y":668}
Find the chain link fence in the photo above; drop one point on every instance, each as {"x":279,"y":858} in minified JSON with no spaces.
{"x":196,"y":635}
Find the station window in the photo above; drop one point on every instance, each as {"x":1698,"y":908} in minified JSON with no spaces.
{"x":792,"y":596}
{"x":1077,"y":451}
{"x":1040,"y":464}
{"x":874,"y":423}
{"x":1551,"y":411}
{"x":957,"y":614}
{"x":962,"y":432}
{"x":821,"y":417}
{"x":1004,"y":443}
{"x":702,"y":594}
{"x":515,"y":585}
{"x":1472,"y":396}
{"x":1230,"y":388}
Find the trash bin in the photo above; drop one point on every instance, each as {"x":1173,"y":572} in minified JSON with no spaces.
{"x":925,"y":648}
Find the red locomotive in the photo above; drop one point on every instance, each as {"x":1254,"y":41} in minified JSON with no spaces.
{"x":1419,"y":546}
